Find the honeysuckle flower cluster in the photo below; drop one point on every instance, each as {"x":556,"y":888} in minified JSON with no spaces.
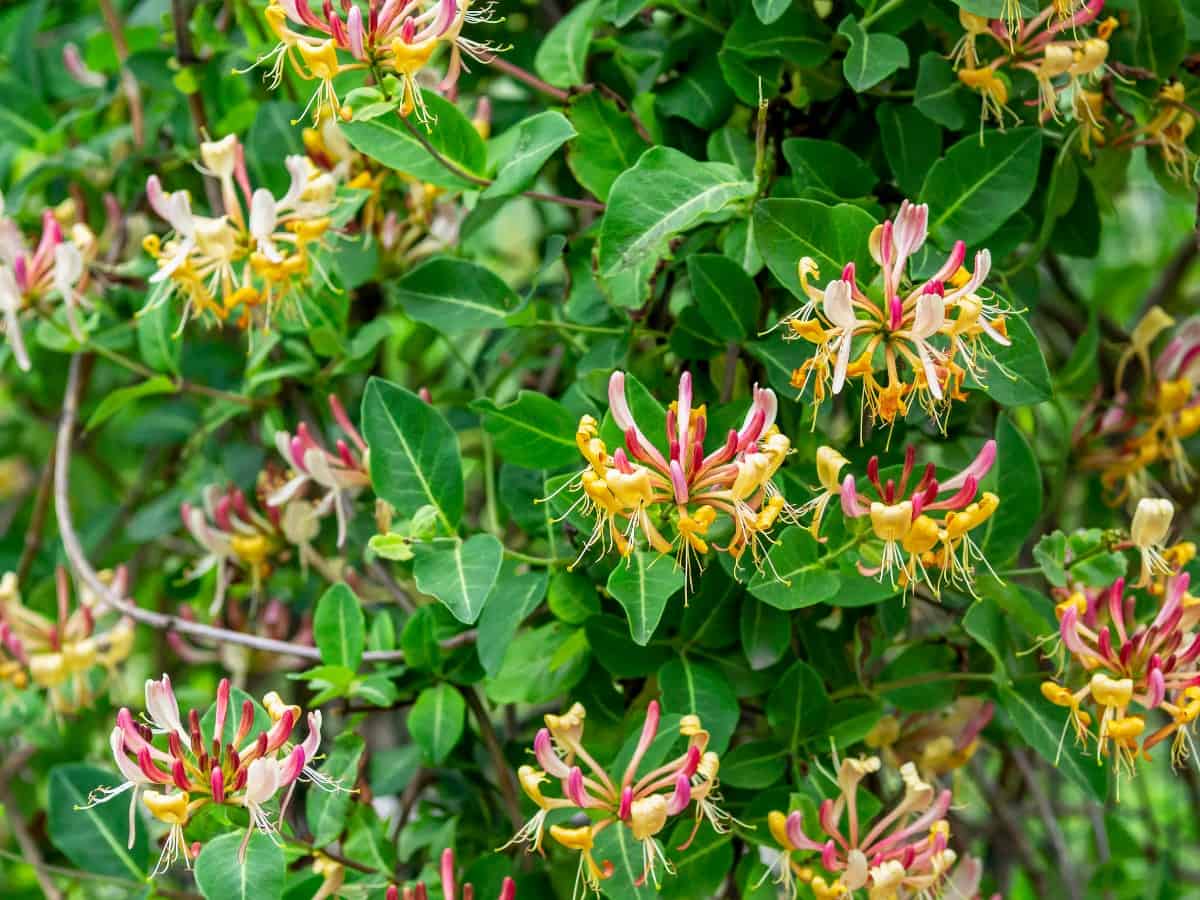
{"x":938,"y":742}
{"x":255,"y":254}
{"x":392,"y":37}
{"x":34,"y":280}
{"x":914,"y":541}
{"x":1053,"y":47}
{"x":1124,"y":663}
{"x":639,"y":489}
{"x":642,"y":804}
{"x":449,"y":885}
{"x":926,"y":337}
{"x":342,"y":475}
{"x":60,"y":654}
{"x":900,"y":854}
{"x":198,"y":769}
{"x":273,"y":619}
{"x":1146,"y":420}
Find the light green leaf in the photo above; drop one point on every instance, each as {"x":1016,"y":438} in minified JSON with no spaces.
{"x":770,"y":10}
{"x":387,"y":140}
{"x":793,"y":577}
{"x":117,"y":400}
{"x":533,"y":431}
{"x":619,"y":846}
{"x":221,"y":875}
{"x":414,"y":453}
{"x":436,"y":721}
{"x":338,"y":627}
{"x":455,"y":296}
{"x":1041,"y":724}
{"x":642,"y":584}
{"x":159,"y":349}
{"x":530,"y":143}
{"x":95,"y":839}
{"x":665,"y":193}
{"x":326,"y":810}
{"x":561,"y":57}
{"x":788,"y":230}
{"x":725,"y":295}
{"x":459,"y":573}
{"x":871,"y":57}
{"x":976,"y":187}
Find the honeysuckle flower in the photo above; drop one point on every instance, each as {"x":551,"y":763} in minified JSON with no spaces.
{"x":1169,"y":130}
{"x":925,"y":336}
{"x":937,"y":742}
{"x":915,"y":540}
{"x":30,"y":280}
{"x":197,"y":768}
{"x":449,"y":884}
{"x":1053,"y":46}
{"x":640,"y":489}
{"x":257,"y":253}
{"x":642,"y":804}
{"x":1147,"y":418}
{"x":391,"y":37}
{"x":342,"y":475}
{"x":1127,"y":666}
{"x":60,"y":654}
{"x":1148,"y":531}
{"x":273,"y":619}
{"x":901,"y":854}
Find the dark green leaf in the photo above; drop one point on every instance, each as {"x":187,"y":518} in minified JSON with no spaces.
{"x":95,"y":839}
{"x":725,"y":295}
{"x":871,"y":57}
{"x":642,"y":584}
{"x":455,"y":296}
{"x":532,"y":431}
{"x":788,"y":230}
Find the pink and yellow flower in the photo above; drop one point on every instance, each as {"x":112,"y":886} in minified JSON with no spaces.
{"x":925,"y":337}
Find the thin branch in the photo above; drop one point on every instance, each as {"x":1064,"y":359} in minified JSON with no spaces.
{"x":181,"y":19}
{"x":163,"y":621}
{"x":508,"y":786}
{"x":29,"y":847}
{"x":129,"y":82}
{"x":1066,"y":872}
{"x":37,"y":521}
{"x":500,"y":64}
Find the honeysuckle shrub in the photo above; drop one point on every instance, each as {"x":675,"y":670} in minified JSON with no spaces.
{"x":654,"y":449}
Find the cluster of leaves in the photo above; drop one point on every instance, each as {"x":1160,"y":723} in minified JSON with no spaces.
{"x":658,"y":171}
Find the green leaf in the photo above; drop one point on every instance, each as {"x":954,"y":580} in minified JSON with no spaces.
{"x":913,"y":145}
{"x":976,"y":187}
{"x":690,"y":687}
{"x":618,"y":845}
{"x":157,"y":346}
{"x":828,"y":169}
{"x":700,"y":96}
{"x":95,"y":839}
{"x":414,"y":453}
{"x":461,"y":574}
{"x":455,"y":296}
{"x":533,"y":431}
{"x":338,"y":627}
{"x":1162,"y":40}
{"x":798,"y":706}
{"x":530,"y":143}
{"x":766,"y":633}
{"x":436,"y":721}
{"x":541,"y":664}
{"x":754,"y":765}
{"x":793,"y":577}
{"x":221,"y":875}
{"x":665,"y":193}
{"x":701,"y":869}
{"x":770,"y":10}
{"x":725,"y":295}
{"x":642,"y":584}
{"x":513,"y":597}
{"x":1041,"y":724}
{"x":117,"y":400}
{"x":798,"y":37}
{"x":1016,"y":375}
{"x":913,"y":663}
{"x":871,"y":57}
{"x":561,"y":57}
{"x":1019,"y":510}
{"x":326,"y":810}
{"x":387,"y":140}
{"x":780,"y":358}
{"x":940,"y":96}
{"x":605,"y":145}
{"x":787,"y":230}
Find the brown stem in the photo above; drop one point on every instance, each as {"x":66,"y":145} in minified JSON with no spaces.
{"x":129,"y":83}
{"x":37,"y":521}
{"x":1172,"y":274}
{"x":29,"y":847}
{"x":504,"y":775}
{"x":1066,"y":871}
{"x":515,"y":71}
{"x":181,"y":18}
